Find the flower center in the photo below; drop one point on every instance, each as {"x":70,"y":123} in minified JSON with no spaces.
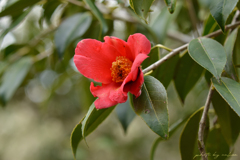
{"x":120,"y":68}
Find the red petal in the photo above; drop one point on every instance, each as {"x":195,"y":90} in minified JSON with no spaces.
{"x":94,"y":59}
{"x":139,"y":44}
{"x":136,"y":64}
{"x":108,"y":95}
{"x":134,"y":87}
{"x":121,"y":46}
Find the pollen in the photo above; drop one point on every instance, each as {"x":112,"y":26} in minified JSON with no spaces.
{"x":120,"y":69}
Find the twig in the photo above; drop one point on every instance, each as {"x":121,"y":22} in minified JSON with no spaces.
{"x":203,"y":123}
{"x":183,"y":47}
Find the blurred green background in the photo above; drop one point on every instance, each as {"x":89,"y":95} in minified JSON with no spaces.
{"x":40,"y":109}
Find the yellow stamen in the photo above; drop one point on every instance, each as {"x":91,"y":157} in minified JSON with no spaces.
{"x":120,"y":68}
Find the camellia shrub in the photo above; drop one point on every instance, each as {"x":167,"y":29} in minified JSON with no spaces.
{"x":126,"y":54}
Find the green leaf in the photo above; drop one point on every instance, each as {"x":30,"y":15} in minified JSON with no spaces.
{"x":13,"y":77}
{"x":227,"y":118}
{"x":98,"y":14}
{"x":209,"y":54}
{"x":229,"y":90}
{"x":221,"y":9}
{"x":229,"y":45}
{"x":171,"y":4}
{"x":151,"y":106}
{"x":49,"y":7}
{"x":15,"y":21}
{"x":189,"y":137}
{"x":70,"y":29}
{"x":187,"y":74}
{"x":153,"y":57}
{"x":76,"y":137}
{"x":165,"y":72}
{"x":141,"y":7}
{"x":17,"y":7}
{"x":172,"y":130}
{"x":93,"y":118}
{"x":216,"y":145}
{"x":89,"y":123}
{"x":125,"y":114}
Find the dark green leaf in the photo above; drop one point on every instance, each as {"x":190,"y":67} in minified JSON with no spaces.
{"x":153,"y":57}
{"x":189,"y":137}
{"x":165,"y":72}
{"x":187,"y":74}
{"x":151,"y":106}
{"x":221,"y":9}
{"x":17,"y":7}
{"x":227,"y":118}
{"x":88,"y":124}
{"x":229,"y":90}
{"x":172,"y":130}
{"x":98,"y":14}
{"x":141,"y":7}
{"x":209,"y":54}
{"x":229,"y":45}
{"x":13,"y":77}
{"x":216,"y":145}
{"x":125,"y":114}
{"x":76,"y":137}
{"x":93,"y":118}
{"x":171,"y":4}
{"x":49,"y":8}
{"x":70,"y":29}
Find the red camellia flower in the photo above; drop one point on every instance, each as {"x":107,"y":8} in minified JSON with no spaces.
{"x":114,"y":63}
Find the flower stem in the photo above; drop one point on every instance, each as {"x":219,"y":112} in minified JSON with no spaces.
{"x":162,"y":46}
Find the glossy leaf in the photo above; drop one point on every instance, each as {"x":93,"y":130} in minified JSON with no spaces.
{"x":227,"y":118}
{"x":229,"y":45}
{"x":152,"y":105}
{"x":93,"y":118}
{"x":187,"y":74}
{"x":172,"y":130}
{"x":229,"y":90}
{"x":171,"y":4}
{"x":70,"y":29}
{"x":98,"y":14}
{"x":216,"y":145}
{"x":189,"y":137}
{"x":17,"y":7}
{"x":141,"y":7}
{"x":13,"y":77}
{"x":165,"y":72}
{"x":209,"y":54}
{"x":221,"y":9}
{"x":125,"y":114}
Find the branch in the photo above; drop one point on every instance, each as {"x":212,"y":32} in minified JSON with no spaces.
{"x":183,"y":47}
{"x":202,"y":124}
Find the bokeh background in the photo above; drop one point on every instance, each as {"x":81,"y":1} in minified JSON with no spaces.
{"x":52,"y":97}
